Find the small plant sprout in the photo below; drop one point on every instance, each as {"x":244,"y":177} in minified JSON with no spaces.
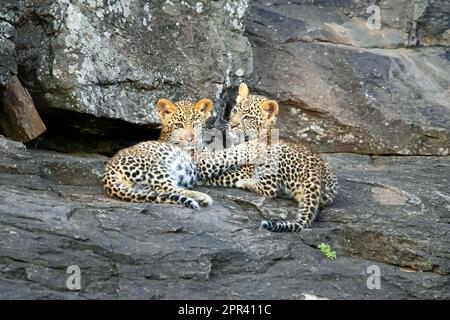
{"x":326,"y":250}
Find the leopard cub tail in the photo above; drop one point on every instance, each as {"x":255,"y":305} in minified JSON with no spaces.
{"x":308,"y":207}
{"x":282,"y":226}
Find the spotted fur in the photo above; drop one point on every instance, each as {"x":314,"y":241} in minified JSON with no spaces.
{"x":287,"y":168}
{"x":162,"y":171}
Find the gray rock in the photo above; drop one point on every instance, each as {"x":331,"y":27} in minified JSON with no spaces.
{"x":114,"y":59}
{"x":392,"y":212}
{"x":8,"y":65}
{"x":403,"y":23}
{"x":342,"y":86}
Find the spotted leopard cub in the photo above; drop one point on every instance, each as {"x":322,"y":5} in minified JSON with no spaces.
{"x":284,"y":168}
{"x":162,"y":171}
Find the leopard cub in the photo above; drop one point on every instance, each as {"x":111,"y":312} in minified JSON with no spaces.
{"x":285,"y":168}
{"x":162,"y":171}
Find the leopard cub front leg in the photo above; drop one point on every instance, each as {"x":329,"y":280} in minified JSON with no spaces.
{"x":202,"y":198}
{"x":265,"y":186}
{"x":229,"y":178}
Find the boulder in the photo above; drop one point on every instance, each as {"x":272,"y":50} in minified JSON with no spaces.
{"x":391,"y":214}
{"x":19,"y":118}
{"x":345,"y":87}
{"x":114,"y":59}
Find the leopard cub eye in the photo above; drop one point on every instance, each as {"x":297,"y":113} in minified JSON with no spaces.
{"x":179,"y":125}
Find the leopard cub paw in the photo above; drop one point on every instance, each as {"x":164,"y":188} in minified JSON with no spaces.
{"x":244,"y":183}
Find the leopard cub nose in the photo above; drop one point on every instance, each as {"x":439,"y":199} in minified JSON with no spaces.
{"x":234,"y":123}
{"x":188,"y":135}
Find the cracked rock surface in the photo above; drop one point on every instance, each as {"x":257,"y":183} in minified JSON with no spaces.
{"x":391,"y":212}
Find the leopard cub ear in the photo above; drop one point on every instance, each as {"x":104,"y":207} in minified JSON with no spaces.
{"x":204,"y":106}
{"x":270,"y":109}
{"x":243,"y":92}
{"x":165,"y":108}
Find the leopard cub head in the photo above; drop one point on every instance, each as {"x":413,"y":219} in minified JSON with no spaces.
{"x":183,"y":121}
{"x":252,"y":114}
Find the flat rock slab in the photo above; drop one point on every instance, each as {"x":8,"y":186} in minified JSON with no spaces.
{"x":391,"y":212}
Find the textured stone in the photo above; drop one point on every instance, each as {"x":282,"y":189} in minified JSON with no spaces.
{"x":115,"y":58}
{"x":343,"y":87}
{"x":403,"y":23}
{"x":48,"y":221}
{"x":8,"y":66}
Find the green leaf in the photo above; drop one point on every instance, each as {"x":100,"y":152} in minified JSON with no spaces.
{"x":326,"y":250}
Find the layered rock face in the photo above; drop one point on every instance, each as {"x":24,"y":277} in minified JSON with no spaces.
{"x":345,"y":85}
{"x":115,"y":58}
{"x":346,"y":81}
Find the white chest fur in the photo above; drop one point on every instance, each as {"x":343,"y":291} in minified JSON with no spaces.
{"x":182,"y":169}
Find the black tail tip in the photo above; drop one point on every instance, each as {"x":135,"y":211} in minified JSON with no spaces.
{"x":265,"y":224}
